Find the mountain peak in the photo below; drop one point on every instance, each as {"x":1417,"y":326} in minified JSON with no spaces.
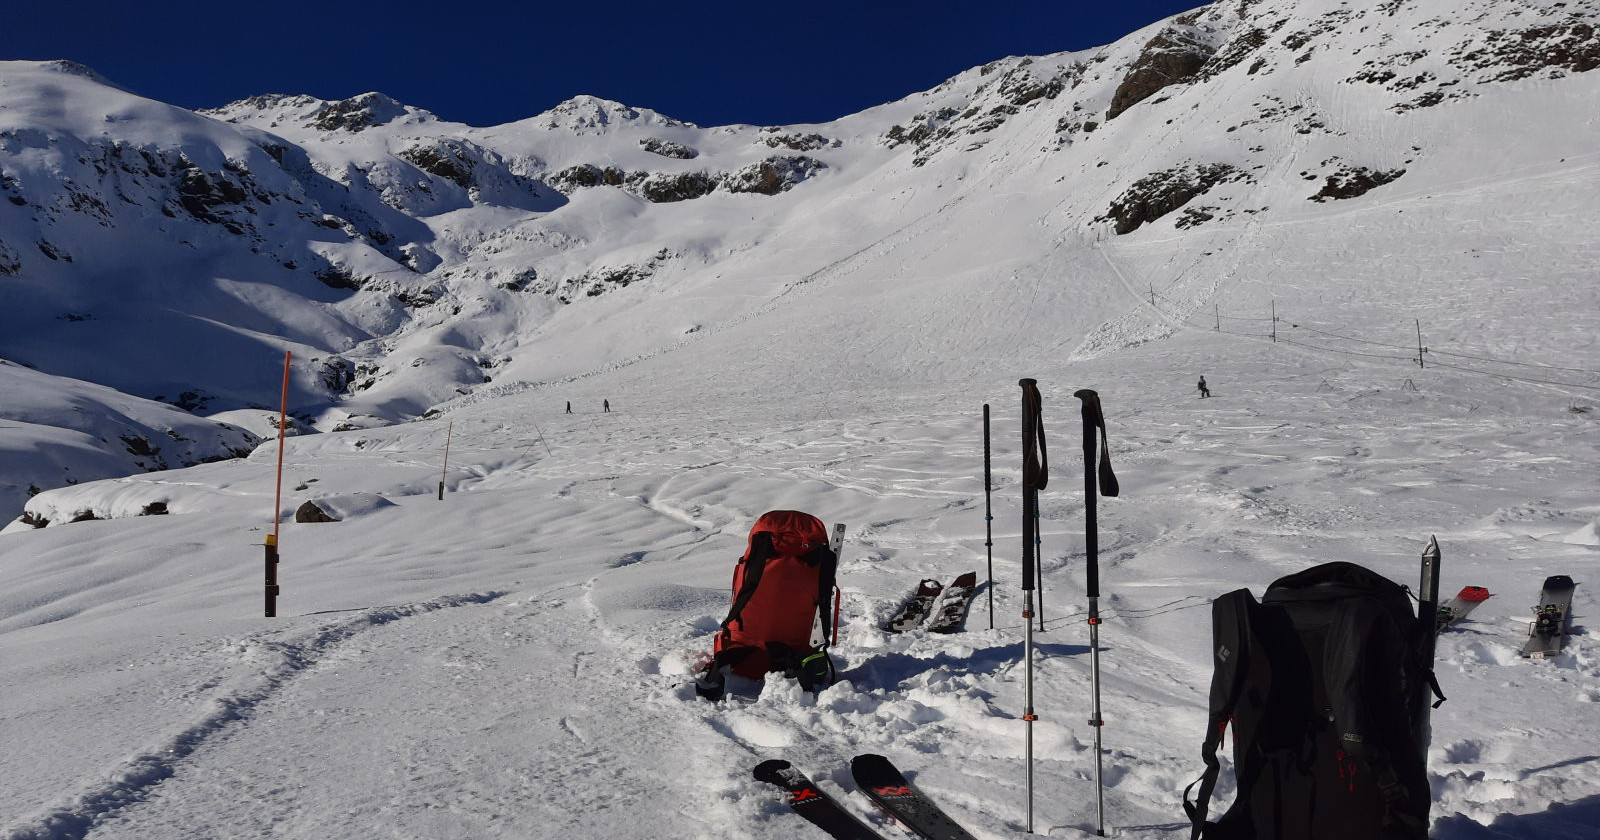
{"x":587,"y":114}
{"x":354,"y":114}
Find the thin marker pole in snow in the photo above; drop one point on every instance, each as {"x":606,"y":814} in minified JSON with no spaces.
{"x":988,"y":513}
{"x":1094,"y":431}
{"x":450,"y":431}
{"x":277,"y":498}
{"x":1035,"y":475}
{"x":542,"y":440}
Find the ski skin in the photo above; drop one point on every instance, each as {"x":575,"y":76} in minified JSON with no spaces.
{"x":916,"y":608}
{"x":806,"y":799}
{"x":887,"y":787}
{"x":952,"y":614}
{"x":936,"y":608}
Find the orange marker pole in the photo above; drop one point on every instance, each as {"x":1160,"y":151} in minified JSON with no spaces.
{"x":277,"y":499}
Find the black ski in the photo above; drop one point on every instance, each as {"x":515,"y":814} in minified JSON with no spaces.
{"x":1550,"y":618}
{"x":886,"y":786}
{"x":916,"y":608}
{"x":1461,"y":606}
{"x":810,"y":802}
{"x":953,"y":606}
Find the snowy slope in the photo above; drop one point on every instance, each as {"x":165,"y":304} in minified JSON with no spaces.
{"x":407,"y":260}
{"x":511,"y":662}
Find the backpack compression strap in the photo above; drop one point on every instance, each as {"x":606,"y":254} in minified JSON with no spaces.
{"x":827,"y":564}
{"x":1230,"y":632}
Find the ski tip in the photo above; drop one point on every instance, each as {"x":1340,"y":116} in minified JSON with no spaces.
{"x":871,"y":761}
{"x":768,"y":770}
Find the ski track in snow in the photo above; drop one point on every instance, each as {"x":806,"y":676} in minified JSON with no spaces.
{"x":281,"y":658}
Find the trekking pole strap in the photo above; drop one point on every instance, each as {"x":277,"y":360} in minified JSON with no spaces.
{"x":1094,"y":420}
{"x":1035,"y":476}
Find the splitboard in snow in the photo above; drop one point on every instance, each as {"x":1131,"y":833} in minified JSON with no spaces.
{"x":1461,"y":606}
{"x":1551,"y":618}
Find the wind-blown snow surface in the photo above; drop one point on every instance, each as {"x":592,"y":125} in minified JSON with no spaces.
{"x":512,"y":661}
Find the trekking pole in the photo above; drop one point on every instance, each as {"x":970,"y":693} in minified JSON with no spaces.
{"x":988,"y":513}
{"x":1094,"y":430}
{"x":1035,"y":475}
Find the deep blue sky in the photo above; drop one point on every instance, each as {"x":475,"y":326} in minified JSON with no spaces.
{"x":712,"y":62}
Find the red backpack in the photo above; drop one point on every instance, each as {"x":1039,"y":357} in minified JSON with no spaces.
{"x":779,"y":620}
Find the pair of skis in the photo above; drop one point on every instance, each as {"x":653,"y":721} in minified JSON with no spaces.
{"x":881,"y":781}
{"x":943,"y":609}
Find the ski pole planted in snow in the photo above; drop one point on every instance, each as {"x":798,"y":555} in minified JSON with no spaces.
{"x":1035,"y":475}
{"x":277,"y":497}
{"x":1098,"y":479}
{"x":988,"y":513}
{"x":449,"y":432}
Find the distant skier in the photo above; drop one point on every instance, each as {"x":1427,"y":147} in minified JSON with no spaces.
{"x":1205,"y":391}
{"x":607,"y":405}
{"x":569,"y":406}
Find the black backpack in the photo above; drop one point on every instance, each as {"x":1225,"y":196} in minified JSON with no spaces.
{"x":1320,"y":681}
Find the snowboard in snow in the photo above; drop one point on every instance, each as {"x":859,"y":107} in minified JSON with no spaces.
{"x":888,"y":788}
{"x":953,"y":605}
{"x":916,"y":608}
{"x":1461,"y":606}
{"x":810,"y":802}
{"x":1550,"y":618}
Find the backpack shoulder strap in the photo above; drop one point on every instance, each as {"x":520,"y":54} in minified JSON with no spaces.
{"x":761,"y":550}
{"x":1230,"y":637}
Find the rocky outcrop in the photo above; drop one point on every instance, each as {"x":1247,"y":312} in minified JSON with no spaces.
{"x":1021,"y":86}
{"x":1352,"y":181}
{"x":668,"y":149}
{"x":358,"y":113}
{"x":776,"y":138}
{"x":1157,"y":194}
{"x":666,"y":187}
{"x":773,"y":175}
{"x":1173,"y":56}
{"x":767,"y":177}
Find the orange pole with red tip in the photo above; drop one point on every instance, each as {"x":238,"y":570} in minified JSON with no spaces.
{"x":277,"y":498}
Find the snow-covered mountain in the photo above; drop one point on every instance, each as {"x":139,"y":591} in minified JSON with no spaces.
{"x":407,"y":260}
{"x":1369,"y":225}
